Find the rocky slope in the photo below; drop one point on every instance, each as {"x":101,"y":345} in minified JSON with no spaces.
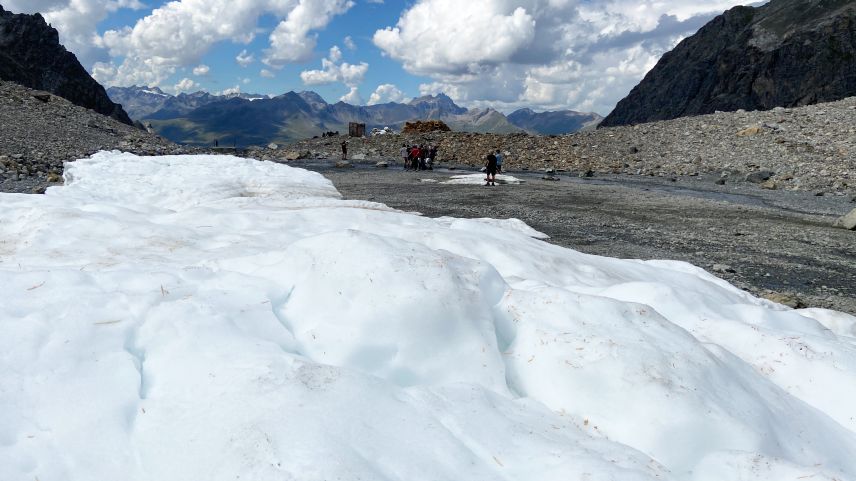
{"x":40,"y":131}
{"x":31,"y":55}
{"x":809,"y":148}
{"x":783,"y":54}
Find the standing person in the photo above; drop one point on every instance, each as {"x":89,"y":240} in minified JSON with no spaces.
{"x":423,"y":154}
{"x":403,"y":154}
{"x":344,"y":150}
{"x":414,"y":158}
{"x":432,"y":154}
{"x":498,"y":155}
{"x":490,"y":170}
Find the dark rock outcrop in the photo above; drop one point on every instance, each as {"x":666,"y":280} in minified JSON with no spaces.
{"x":786,"y":53}
{"x":31,"y":55}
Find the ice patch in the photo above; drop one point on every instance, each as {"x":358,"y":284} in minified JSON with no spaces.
{"x":479,"y":179}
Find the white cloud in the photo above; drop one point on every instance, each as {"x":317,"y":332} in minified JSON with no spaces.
{"x":179,"y":33}
{"x":230,"y":91}
{"x":352,"y":97}
{"x":201,"y":70}
{"x":185,"y":85}
{"x":550,"y":54}
{"x":245,"y":81}
{"x":349,"y":43}
{"x":386,"y":93}
{"x":333,"y":71}
{"x":267,"y":73}
{"x":291,"y":41}
{"x":245,"y":58}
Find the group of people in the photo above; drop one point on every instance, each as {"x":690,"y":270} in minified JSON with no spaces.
{"x":418,"y":157}
{"x":493,"y":166}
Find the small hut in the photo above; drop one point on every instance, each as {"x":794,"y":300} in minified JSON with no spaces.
{"x":356,"y":130}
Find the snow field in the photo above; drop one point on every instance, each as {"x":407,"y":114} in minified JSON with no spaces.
{"x":211,"y":317}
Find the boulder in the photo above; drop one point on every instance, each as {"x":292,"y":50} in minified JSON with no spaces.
{"x":272,"y":146}
{"x":344,"y":164}
{"x":759,"y":177}
{"x":382,"y":165}
{"x":295,"y":155}
{"x":723,"y":268}
{"x":847,"y":221}
{"x":750,"y":131}
{"x":785,"y":299}
{"x":770,"y":185}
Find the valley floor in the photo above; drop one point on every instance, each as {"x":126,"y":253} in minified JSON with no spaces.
{"x":777,"y":244}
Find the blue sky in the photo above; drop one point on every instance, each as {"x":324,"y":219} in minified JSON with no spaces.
{"x":583,"y":55}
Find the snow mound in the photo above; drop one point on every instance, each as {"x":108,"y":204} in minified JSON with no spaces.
{"x":217,"y":318}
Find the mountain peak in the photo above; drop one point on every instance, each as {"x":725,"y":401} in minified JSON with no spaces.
{"x":765,"y":57}
{"x":313,"y":99}
{"x":31,"y":55}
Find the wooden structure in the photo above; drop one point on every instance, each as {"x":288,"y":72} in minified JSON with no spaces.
{"x":356,"y":130}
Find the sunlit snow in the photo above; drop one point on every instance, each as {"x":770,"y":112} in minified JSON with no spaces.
{"x":216,"y":318}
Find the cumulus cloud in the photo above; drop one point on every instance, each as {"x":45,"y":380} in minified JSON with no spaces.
{"x":291,"y":41}
{"x":201,"y":70}
{"x":179,"y":33}
{"x":265,"y":73}
{"x":386,"y":93}
{"x":185,"y":85}
{"x":349,"y":43}
{"x":245,"y":58}
{"x":549,"y":54}
{"x":333,"y":70}
{"x":230,"y":91}
{"x":352,"y":97}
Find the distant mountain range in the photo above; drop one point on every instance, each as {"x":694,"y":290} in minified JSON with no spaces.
{"x":250,"y":119}
{"x":785,"y":53}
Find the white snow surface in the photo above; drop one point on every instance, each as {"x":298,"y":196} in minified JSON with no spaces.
{"x":479,"y":179}
{"x":216,"y":318}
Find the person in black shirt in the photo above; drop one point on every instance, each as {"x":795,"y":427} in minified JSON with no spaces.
{"x":490,"y":170}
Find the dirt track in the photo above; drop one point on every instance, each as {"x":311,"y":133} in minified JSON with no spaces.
{"x":762,"y":241}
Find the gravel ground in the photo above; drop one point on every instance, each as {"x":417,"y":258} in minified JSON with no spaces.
{"x":776,"y":244}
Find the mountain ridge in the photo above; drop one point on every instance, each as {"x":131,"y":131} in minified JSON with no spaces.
{"x":193,"y":118}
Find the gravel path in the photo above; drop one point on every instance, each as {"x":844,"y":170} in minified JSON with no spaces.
{"x":777,"y":244}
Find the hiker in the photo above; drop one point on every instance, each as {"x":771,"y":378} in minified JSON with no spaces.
{"x":344,"y":150}
{"x":432,"y":154}
{"x":498,"y":155}
{"x":490,"y":170}
{"x":414,"y":157}
{"x":403,"y":153}
{"x":423,"y":155}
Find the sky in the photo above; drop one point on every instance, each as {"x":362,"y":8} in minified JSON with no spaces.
{"x":583,"y":55}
